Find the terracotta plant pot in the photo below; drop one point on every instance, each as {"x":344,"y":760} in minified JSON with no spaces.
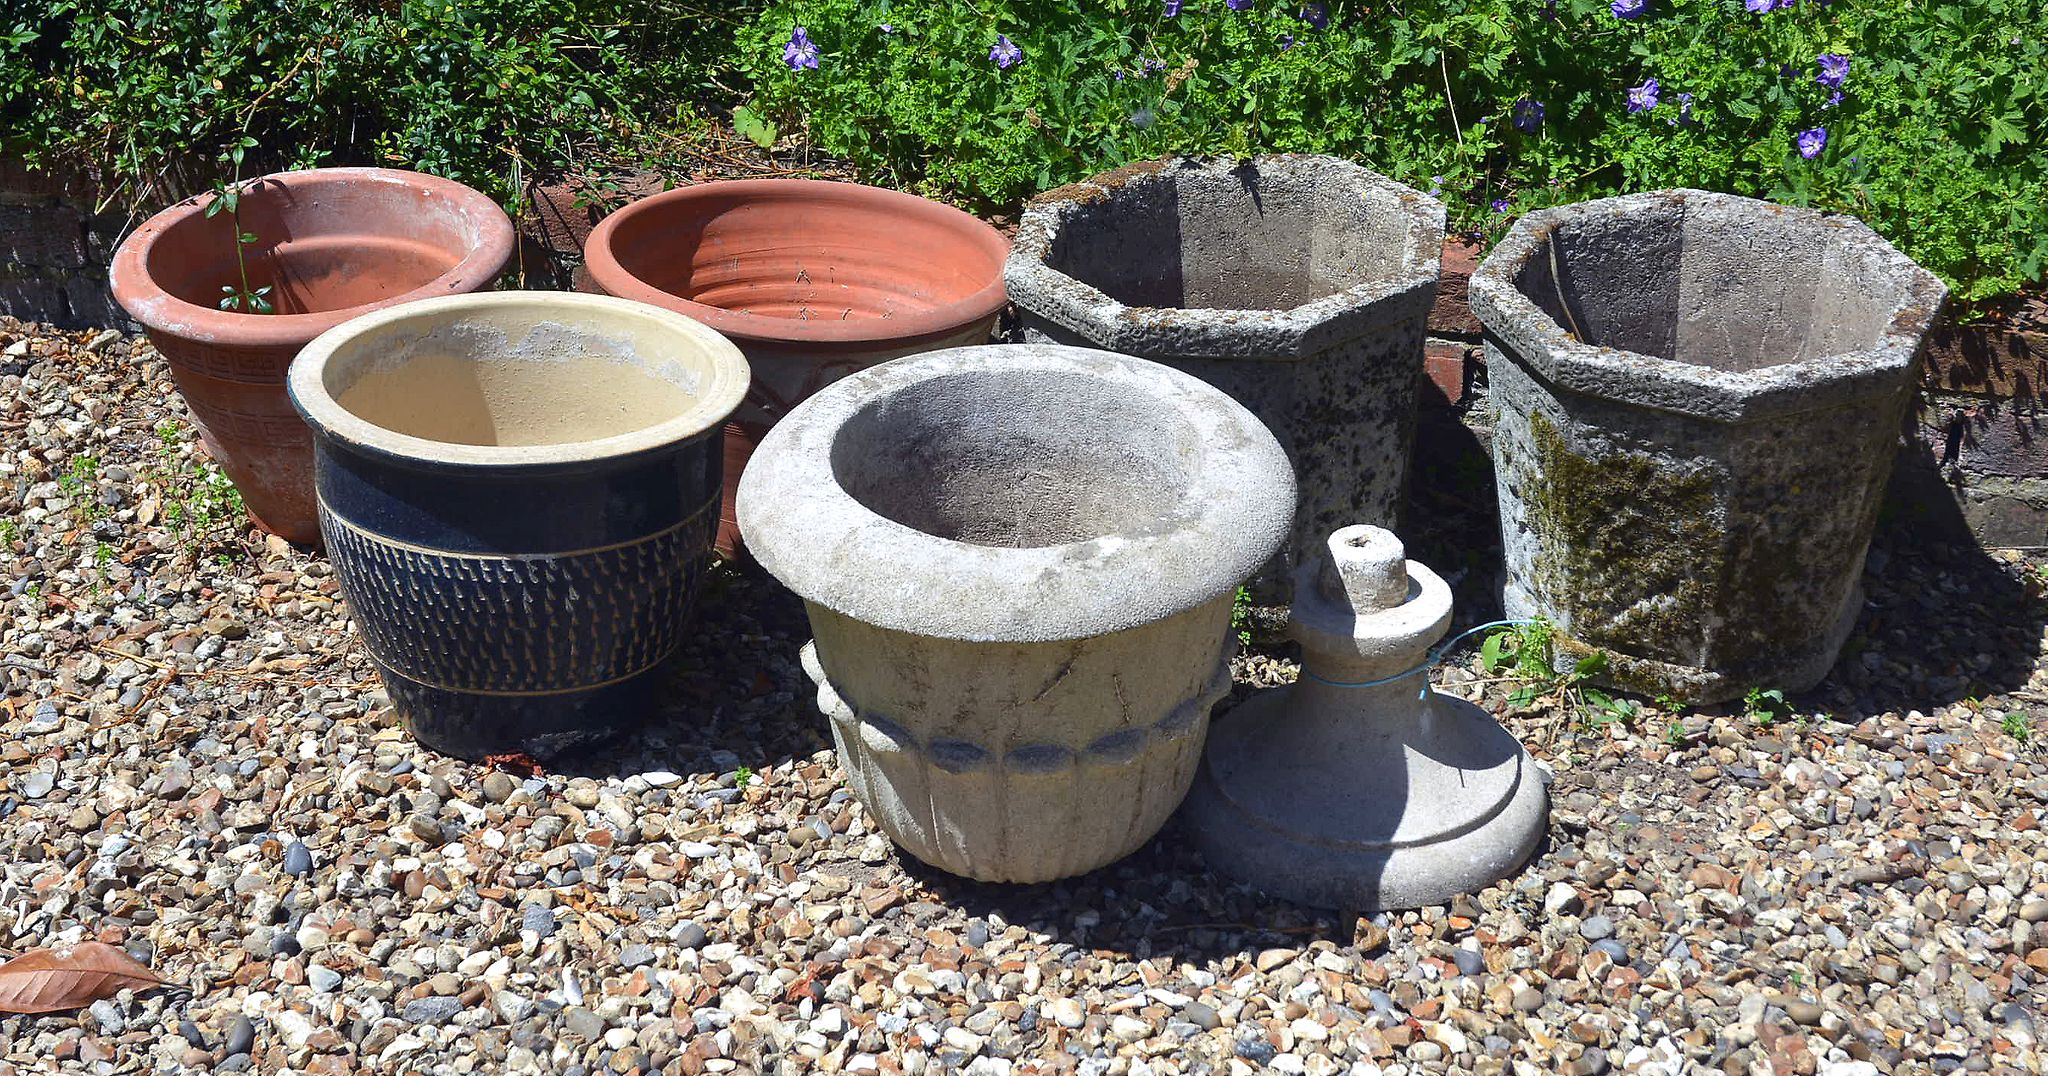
{"x":331,"y":243}
{"x":518,"y":492}
{"x":812,"y":279}
{"x":1018,"y":561}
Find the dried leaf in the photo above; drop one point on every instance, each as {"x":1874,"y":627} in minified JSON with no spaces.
{"x":58,"y":980}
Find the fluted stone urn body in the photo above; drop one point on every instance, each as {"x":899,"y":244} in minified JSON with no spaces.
{"x":1018,"y":563}
{"x":1298,"y":284}
{"x":519,"y":491}
{"x":1698,"y":399}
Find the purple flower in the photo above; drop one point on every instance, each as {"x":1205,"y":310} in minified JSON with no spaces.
{"x":1005,"y":53}
{"x":1153,"y":67}
{"x":1811,"y":141}
{"x":1759,"y":7}
{"x":1436,"y":186}
{"x":1629,"y":9}
{"x":1834,"y":70}
{"x":1238,"y":5}
{"x":1500,"y":205}
{"x":800,"y":52}
{"x":887,"y":29}
{"x":1173,"y":8}
{"x":1834,"y":99}
{"x":1286,"y":42}
{"x":1528,"y":115}
{"x":1644,"y":97}
{"x":1317,"y":15}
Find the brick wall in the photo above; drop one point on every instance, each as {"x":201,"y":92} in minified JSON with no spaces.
{"x":55,"y":244}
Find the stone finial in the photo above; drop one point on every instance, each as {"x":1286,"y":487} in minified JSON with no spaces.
{"x":1366,"y":568}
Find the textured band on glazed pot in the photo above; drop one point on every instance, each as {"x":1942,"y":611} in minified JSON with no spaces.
{"x":1698,"y":399}
{"x":1018,"y":563}
{"x":519,"y":492}
{"x":812,"y":279}
{"x":330,"y":244}
{"x":1300,"y":285}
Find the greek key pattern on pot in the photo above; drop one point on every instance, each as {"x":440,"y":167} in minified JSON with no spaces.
{"x":533,"y":624}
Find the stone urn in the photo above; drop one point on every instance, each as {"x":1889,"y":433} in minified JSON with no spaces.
{"x":329,"y":244}
{"x":812,"y":279}
{"x":1018,"y":563}
{"x":1300,"y":285}
{"x":518,"y":492}
{"x":1356,"y":787}
{"x":1698,"y":401}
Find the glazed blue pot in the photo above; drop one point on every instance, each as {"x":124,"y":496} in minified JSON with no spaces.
{"x":518,"y":492}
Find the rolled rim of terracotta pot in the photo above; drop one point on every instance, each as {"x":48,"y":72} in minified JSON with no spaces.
{"x":487,"y":249}
{"x":558,"y":325}
{"x":689,"y":208}
{"x":818,"y":509}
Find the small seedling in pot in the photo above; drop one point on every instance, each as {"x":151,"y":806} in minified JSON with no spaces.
{"x":228,"y":198}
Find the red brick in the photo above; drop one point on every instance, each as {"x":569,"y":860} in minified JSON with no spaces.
{"x":1451,"y":314}
{"x":1988,"y":359}
{"x":1446,"y":366}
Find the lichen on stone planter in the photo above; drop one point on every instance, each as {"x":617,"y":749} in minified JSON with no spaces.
{"x":519,"y":492}
{"x":1019,"y":564}
{"x":330,"y":244}
{"x":1356,"y":787}
{"x":1698,"y":400}
{"x":1298,"y":284}
{"x":812,"y":279}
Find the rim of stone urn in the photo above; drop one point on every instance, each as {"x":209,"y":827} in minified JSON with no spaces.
{"x":722,"y":370}
{"x":832,"y":550}
{"x":1032,"y":282}
{"x":1532,"y":337}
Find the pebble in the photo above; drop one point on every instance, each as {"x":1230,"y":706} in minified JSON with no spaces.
{"x":431,"y":1010}
{"x":241,"y":1036}
{"x":298,"y":859}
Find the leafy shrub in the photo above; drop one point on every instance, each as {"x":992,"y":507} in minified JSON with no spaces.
{"x":487,"y":92}
{"x":1932,"y":134}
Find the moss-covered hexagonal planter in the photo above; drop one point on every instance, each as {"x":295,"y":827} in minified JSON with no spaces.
{"x":1698,"y":398}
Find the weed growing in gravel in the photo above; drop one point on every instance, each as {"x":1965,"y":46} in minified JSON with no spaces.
{"x":76,"y":482}
{"x":1525,"y":653}
{"x":200,"y":504}
{"x":1766,"y":705}
{"x":1241,"y":615}
{"x":10,"y":532}
{"x":2017,"y":726}
{"x":1674,"y":734}
{"x":743,"y":776}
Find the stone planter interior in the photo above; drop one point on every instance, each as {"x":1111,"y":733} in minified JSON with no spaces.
{"x":1728,"y":293}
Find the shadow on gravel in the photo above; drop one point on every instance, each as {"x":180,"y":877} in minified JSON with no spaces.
{"x":1944,"y":620}
{"x":736,"y":696}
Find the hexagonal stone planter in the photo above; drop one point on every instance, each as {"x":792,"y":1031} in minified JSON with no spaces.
{"x":1297,"y":284}
{"x":1699,"y":398}
{"x":1018,"y":563}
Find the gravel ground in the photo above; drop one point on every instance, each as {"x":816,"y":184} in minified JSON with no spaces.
{"x":199,"y":766}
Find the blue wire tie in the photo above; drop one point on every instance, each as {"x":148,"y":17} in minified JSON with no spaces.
{"x":1435,"y":657}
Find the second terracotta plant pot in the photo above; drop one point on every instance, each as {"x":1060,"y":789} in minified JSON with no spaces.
{"x":812,"y":279}
{"x":330,"y":244}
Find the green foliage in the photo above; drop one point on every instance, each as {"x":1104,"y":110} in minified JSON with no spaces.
{"x":1241,"y":615}
{"x":743,"y":776}
{"x":1526,"y":653}
{"x":2017,"y":726}
{"x":1936,"y":141}
{"x":1766,"y":706}
{"x":482,"y":91}
{"x":201,"y":506}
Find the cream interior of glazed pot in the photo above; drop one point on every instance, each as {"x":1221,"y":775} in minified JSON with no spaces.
{"x":504,"y":379}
